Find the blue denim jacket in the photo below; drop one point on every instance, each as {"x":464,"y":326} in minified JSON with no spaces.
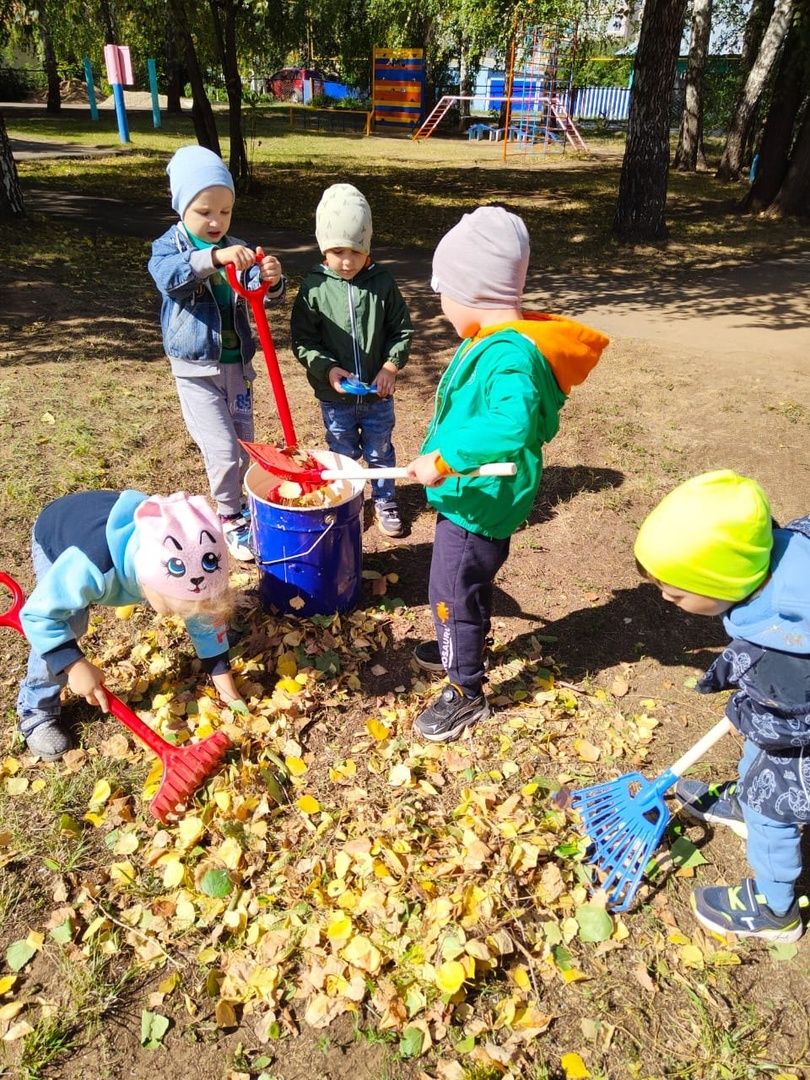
{"x":189,"y":317}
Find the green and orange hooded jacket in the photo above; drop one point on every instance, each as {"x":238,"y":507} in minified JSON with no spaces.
{"x":499,"y":400}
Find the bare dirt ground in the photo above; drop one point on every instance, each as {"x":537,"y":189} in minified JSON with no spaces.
{"x":703,"y":373}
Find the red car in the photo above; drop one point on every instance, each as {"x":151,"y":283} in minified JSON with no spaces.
{"x":288,"y":83}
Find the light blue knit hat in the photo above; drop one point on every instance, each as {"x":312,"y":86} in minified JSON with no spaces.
{"x":191,"y":169}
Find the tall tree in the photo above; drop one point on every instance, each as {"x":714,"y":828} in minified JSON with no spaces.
{"x":202,"y":115}
{"x":689,"y":153}
{"x":641,"y":207}
{"x":225,"y":15}
{"x":731,"y":162}
{"x":11,"y":197}
{"x":791,"y":87}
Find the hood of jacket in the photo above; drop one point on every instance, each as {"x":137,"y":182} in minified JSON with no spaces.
{"x":778,"y":615}
{"x":572,"y":350}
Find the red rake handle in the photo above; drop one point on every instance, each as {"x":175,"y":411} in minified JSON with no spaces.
{"x":255,"y":298}
{"x":122,"y":712}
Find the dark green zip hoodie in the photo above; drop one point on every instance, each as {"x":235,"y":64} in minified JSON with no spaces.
{"x":357,"y":325}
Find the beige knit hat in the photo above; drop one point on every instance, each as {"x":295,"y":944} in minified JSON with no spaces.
{"x":343,"y":219}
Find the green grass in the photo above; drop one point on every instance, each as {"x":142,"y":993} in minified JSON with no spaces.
{"x":418,"y":190}
{"x":49,"y":1040}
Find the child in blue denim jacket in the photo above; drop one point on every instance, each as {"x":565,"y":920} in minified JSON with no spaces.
{"x":712,"y":548}
{"x":351,"y":330}
{"x":206,"y":331}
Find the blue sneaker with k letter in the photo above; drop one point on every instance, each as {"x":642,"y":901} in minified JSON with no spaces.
{"x":716,"y":804}
{"x":740,"y":910}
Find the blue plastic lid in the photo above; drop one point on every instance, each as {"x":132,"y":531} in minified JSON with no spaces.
{"x":353,"y":385}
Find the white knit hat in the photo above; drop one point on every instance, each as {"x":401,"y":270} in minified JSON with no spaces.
{"x":343,"y":219}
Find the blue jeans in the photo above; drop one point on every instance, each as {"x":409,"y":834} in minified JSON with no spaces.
{"x":38,"y":699}
{"x":774,"y":852}
{"x":362,"y":428}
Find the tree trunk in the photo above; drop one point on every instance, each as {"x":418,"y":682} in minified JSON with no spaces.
{"x":11,"y":198}
{"x":794,"y":194}
{"x":731,"y":162}
{"x":758,"y":18}
{"x":790,"y":87}
{"x":53,"y":104}
{"x":202,"y":115}
{"x":468,"y":63}
{"x":108,"y":23}
{"x":641,"y":206}
{"x":689,"y":153}
{"x":175,"y":80}
{"x":224,"y":14}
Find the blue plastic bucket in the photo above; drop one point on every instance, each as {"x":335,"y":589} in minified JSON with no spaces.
{"x":310,"y":559}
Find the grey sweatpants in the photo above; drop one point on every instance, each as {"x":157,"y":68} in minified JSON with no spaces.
{"x":218,"y":410}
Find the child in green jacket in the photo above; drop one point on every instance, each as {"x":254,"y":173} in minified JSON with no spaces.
{"x":351,"y":330}
{"x":499,"y":400}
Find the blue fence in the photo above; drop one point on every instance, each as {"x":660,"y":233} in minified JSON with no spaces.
{"x":585,"y":103}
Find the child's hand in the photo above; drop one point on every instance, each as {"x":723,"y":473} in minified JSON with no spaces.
{"x":386,"y":380}
{"x":237,"y":255}
{"x":226,"y":687}
{"x":87,"y":681}
{"x":269,"y":267}
{"x":335,"y":375}
{"x":424,"y":470}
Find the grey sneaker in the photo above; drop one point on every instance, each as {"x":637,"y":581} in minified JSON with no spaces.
{"x":49,"y":740}
{"x":388,"y":520}
{"x":449,"y":714}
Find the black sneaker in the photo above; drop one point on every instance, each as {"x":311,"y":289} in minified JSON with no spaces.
{"x":449,"y":714}
{"x":428,"y":658}
{"x":716,"y":804}
{"x":740,"y":910}
{"x":388,"y":520}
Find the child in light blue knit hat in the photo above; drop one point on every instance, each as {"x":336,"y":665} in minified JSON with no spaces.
{"x":206,"y":330}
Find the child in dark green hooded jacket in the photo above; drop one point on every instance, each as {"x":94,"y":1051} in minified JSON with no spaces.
{"x":499,"y":400}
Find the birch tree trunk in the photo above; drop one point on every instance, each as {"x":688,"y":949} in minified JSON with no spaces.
{"x":731,"y":162}
{"x":641,"y":206}
{"x":11,"y":198}
{"x":689,"y":153}
{"x":791,"y":87}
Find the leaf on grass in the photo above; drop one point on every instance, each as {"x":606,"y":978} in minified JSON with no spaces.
{"x":101,"y":793}
{"x":595,"y":924}
{"x":19,"y":953}
{"x":450,"y":977}
{"x":216,"y":883}
{"x":782,"y":950}
{"x":411,"y":1043}
{"x":153,"y":1028}
{"x":574,"y":1067}
{"x":308,"y":804}
{"x":685,"y":855}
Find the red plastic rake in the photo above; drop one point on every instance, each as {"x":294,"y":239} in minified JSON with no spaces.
{"x":625,"y":819}
{"x":184,"y":767}
{"x":255,"y":298}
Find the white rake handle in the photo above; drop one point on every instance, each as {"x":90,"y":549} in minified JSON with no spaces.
{"x":702,"y":747}
{"x":494,"y":468}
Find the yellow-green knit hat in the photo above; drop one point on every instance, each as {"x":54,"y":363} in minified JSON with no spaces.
{"x":712,"y":536}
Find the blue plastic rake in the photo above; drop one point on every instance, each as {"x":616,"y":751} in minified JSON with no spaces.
{"x":625,"y":819}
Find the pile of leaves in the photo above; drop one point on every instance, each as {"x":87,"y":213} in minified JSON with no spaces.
{"x":336,"y":864}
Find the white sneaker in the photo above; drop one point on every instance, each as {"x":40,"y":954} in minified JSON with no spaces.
{"x":237,"y":539}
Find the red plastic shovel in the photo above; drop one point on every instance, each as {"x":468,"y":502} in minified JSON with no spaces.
{"x":255,"y":298}
{"x":184,"y":767}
